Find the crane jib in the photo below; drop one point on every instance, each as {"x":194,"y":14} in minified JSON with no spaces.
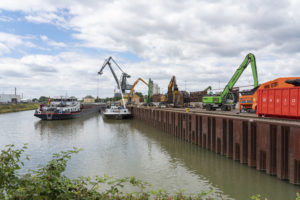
{"x":121,"y":85}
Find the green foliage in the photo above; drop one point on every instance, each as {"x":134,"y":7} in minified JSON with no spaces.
{"x":256,"y":197}
{"x":43,"y":99}
{"x":5,"y":108}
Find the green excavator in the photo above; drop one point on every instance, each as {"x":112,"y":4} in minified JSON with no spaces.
{"x":227,"y":100}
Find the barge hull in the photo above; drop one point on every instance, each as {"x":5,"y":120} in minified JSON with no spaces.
{"x":117,"y":116}
{"x":86,"y":110}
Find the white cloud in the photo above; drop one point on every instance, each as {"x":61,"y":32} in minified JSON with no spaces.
{"x":201,"y":42}
{"x":9,"y":42}
{"x":50,"y":75}
{"x":51,"y":42}
{"x":56,"y":44}
{"x":47,"y":17}
{"x":5,"y":19}
{"x":44,"y":37}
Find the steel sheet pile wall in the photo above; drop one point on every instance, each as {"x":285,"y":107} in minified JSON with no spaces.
{"x":269,"y":145}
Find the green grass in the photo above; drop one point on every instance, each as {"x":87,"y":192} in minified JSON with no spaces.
{"x":6,"y":108}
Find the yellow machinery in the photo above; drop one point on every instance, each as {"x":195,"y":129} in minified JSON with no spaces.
{"x":132,"y":89}
{"x":163,"y":99}
{"x":172,"y":94}
{"x":172,"y":90}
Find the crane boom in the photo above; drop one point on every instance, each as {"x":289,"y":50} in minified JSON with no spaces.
{"x":250,"y":58}
{"x":122,"y":85}
{"x":107,"y":62}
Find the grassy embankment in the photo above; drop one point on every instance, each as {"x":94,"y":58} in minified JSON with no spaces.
{"x":6,"y":108}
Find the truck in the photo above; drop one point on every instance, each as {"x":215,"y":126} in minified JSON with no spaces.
{"x":226,"y":100}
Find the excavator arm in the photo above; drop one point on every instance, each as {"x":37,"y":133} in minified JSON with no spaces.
{"x":208,"y":88}
{"x":250,"y":58}
{"x":135,"y":83}
{"x":172,"y":86}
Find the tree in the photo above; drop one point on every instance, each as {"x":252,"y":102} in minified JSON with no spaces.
{"x":43,"y":99}
{"x":35,"y":100}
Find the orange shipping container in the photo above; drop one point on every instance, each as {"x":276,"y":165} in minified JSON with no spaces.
{"x":279,"y":102}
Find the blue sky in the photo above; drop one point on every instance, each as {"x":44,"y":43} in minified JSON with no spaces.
{"x":14,"y":22}
{"x":56,"y":47}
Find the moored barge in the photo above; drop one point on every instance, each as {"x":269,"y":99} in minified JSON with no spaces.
{"x":115,"y":112}
{"x":65,"y":108}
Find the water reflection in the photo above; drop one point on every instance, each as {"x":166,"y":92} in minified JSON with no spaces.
{"x":63,"y":126}
{"x":132,"y":148}
{"x":58,"y":126}
{"x":237,"y":180}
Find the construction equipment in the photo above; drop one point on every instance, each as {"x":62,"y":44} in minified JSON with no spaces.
{"x":172,"y":90}
{"x":122,"y":85}
{"x":208,"y":88}
{"x":130,"y":96}
{"x":248,"y":98}
{"x":226,"y":99}
{"x":174,"y":97}
{"x":171,"y":94}
{"x":182,"y":99}
{"x":197,"y":96}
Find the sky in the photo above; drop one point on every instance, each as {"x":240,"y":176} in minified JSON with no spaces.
{"x":56,"y":47}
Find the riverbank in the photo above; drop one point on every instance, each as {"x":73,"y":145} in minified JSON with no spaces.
{"x":6,"y":108}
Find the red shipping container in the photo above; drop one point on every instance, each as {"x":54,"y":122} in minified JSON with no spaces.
{"x":279,"y":102}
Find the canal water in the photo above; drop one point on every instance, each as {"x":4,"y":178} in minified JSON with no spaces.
{"x":133,"y":148}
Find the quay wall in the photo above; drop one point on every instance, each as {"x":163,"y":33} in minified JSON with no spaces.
{"x":272,"y":146}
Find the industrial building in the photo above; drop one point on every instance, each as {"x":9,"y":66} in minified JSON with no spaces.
{"x":89,"y":99}
{"x":156,"y":89}
{"x":9,"y":98}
